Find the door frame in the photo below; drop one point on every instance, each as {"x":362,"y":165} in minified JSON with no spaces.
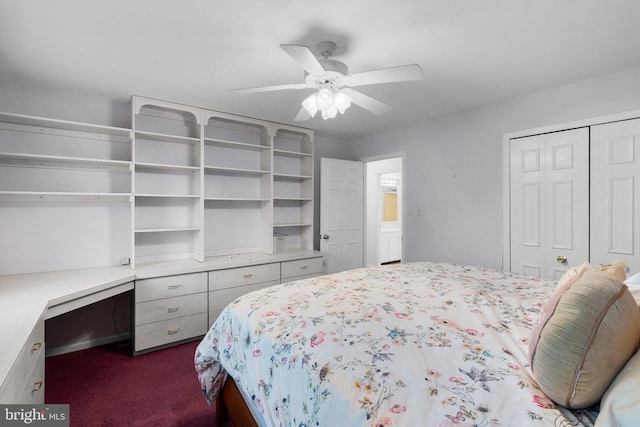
{"x":506,"y":159}
{"x":403,"y":157}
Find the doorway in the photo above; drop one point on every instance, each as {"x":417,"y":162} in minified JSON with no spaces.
{"x":384,"y":213}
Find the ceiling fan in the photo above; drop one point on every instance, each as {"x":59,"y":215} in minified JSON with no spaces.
{"x":332,"y":82}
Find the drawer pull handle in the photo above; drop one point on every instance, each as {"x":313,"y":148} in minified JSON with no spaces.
{"x":247,"y":276}
{"x":174,"y":286}
{"x":36,"y":387}
{"x":304,"y":267}
{"x":36,"y":346}
{"x":173,"y":309}
{"x":173,"y":331}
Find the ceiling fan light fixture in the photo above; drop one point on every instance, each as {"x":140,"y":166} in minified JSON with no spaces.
{"x":330,"y":112}
{"x":341,"y":101}
{"x":324,"y":99}
{"x":310,"y":104}
{"x":329,"y":102}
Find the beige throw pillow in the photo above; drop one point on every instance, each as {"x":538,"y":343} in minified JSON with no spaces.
{"x":587,"y":334}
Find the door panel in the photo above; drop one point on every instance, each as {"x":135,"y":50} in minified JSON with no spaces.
{"x":527,"y":207}
{"x":531,"y":215}
{"x":341,"y":214}
{"x":549,"y":202}
{"x":562,"y":211}
{"x":568,"y":200}
{"x":615,"y":193}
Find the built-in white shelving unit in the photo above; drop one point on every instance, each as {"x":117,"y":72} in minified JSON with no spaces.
{"x":189,"y":182}
{"x":240,"y":181}
{"x":57,"y":160}
{"x":238,"y":194}
{"x":167,"y":181}
{"x":293,"y":186}
{"x":65,"y":193}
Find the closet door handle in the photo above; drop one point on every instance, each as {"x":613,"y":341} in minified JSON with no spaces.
{"x":35,"y":347}
{"x":247,"y":276}
{"x":173,"y":331}
{"x":173,"y":309}
{"x":174,"y":286}
{"x":562,"y":259}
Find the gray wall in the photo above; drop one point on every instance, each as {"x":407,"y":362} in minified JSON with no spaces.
{"x":454,"y":164}
{"x":62,"y":104}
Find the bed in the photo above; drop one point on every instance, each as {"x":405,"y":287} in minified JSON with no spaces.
{"x":424,"y":344}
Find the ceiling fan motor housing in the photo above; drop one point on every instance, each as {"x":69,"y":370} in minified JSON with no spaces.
{"x":333,"y":78}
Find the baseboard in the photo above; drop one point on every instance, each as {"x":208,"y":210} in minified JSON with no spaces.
{"x":83,"y":345}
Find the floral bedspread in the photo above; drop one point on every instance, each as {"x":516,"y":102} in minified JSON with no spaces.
{"x":419,"y":344}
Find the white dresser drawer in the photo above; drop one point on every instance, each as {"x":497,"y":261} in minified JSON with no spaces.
{"x":169,"y":331}
{"x":232,"y":277}
{"x":307,"y":267}
{"x":32,"y":390}
{"x":32,"y":352}
{"x":165,"y":287}
{"x":169,"y":308}
{"x":218,"y":300}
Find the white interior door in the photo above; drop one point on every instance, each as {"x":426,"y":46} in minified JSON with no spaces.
{"x":549,"y":202}
{"x":615,"y":193}
{"x":341,"y":214}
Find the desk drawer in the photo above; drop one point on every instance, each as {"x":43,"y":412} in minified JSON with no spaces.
{"x":218,"y":300}
{"x":32,"y":390}
{"x":170,"y":308}
{"x":307,"y":267}
{"x":170,"y":286}
{"x":232,"y":277}
{"x":32,"y":352}
{"x":169,"y":331}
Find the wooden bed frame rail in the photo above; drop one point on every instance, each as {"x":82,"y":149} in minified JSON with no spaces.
{"x":230,"y":403}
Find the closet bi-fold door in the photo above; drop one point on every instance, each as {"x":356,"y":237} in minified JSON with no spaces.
{"x":549,"y":179}
{"x":615,"y":193}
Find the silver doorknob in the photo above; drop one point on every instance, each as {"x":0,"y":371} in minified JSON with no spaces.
{"x":324,"y":236}
{"x":562,"y":259}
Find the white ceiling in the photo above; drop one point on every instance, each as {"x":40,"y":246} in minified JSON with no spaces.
{"x":472,"y":52}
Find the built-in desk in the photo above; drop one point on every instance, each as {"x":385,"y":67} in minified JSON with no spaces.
{"x":26,"y":301}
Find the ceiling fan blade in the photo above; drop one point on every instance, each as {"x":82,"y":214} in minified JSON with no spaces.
{"x":366,"y":102}
{"x":304,"y":57}
{"x":271,"y":88}
{"x":402,"y":73}
{"x":302,"y":115}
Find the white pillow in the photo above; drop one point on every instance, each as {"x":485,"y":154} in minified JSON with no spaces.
{"x":633,"y":283}
{"x":633,"y":280}
{"x":620,"y":405}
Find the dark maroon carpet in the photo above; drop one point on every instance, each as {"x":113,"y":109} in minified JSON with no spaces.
{"x":106,"y":386}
